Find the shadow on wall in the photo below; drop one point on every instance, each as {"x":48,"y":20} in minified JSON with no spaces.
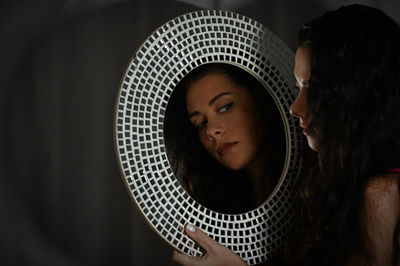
{"x":62,"y":199}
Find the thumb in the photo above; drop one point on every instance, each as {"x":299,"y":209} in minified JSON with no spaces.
{"x":200,"y":237}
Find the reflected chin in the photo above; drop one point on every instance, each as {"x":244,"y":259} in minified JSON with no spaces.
{"x":234,"y":166}
{"x":233,"y":162}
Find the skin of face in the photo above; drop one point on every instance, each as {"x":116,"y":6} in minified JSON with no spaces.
{"x":299,"y":108}
{"x":226,"y":119}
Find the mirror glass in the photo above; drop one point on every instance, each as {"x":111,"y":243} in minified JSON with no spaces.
{"x":224,"y":138}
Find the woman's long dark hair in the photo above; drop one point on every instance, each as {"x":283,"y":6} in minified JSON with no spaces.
{"x":209,"y":182}
{"x":354,"y":99}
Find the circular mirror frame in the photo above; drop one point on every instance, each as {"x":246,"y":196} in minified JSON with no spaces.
{"x":172,"y":51}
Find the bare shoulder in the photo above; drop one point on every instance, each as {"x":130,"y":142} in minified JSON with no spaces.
{"x":382,"y":198}
{"x":383,"y":190}
{"x":382,"y":219}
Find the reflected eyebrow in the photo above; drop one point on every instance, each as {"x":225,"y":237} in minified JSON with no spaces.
{"x":211,"y":102}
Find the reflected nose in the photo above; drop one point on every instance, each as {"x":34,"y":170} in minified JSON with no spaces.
{"x":299,"y":107}
{"x":214,"y":129}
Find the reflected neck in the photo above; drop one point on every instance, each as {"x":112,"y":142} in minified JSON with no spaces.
{"x":260,"y":176}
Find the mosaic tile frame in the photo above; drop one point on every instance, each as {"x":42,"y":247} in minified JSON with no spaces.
{"x":173,"y":50}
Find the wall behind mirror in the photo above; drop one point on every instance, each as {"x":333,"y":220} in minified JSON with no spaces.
{"x":62,"y":201}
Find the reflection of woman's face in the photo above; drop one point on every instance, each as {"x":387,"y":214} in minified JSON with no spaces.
{"x":225,"y":116}
{"x":299,"y":108}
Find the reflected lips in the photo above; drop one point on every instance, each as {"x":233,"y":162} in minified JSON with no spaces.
{"x":225,"y":148}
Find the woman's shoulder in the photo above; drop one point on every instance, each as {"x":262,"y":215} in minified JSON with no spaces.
{"x":382,"y":218}
{"x":382,"y":202}
{"x":383,"y":187}
{"x":383,"y":192}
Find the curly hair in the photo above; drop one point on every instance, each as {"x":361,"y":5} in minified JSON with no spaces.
{"x":354,"y":100}
{"x":210,"y":183}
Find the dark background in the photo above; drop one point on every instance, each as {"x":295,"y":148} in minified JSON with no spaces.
{"x":62,"y":199}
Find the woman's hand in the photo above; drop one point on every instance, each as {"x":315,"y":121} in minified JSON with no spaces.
{"x":216,"y":254}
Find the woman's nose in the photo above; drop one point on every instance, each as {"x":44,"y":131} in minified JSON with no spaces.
{"x":215,"y":129}
{"x":299,"y":107}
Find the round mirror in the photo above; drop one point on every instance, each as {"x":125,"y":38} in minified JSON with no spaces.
{"x":153,"y":171}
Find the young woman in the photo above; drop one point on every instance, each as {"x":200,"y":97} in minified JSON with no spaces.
{"x":347,"y":70}
{"x":225,"y":138}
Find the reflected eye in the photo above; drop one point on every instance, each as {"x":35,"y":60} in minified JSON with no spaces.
{"x":225,"y":108}
{"x":201,"y":125}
